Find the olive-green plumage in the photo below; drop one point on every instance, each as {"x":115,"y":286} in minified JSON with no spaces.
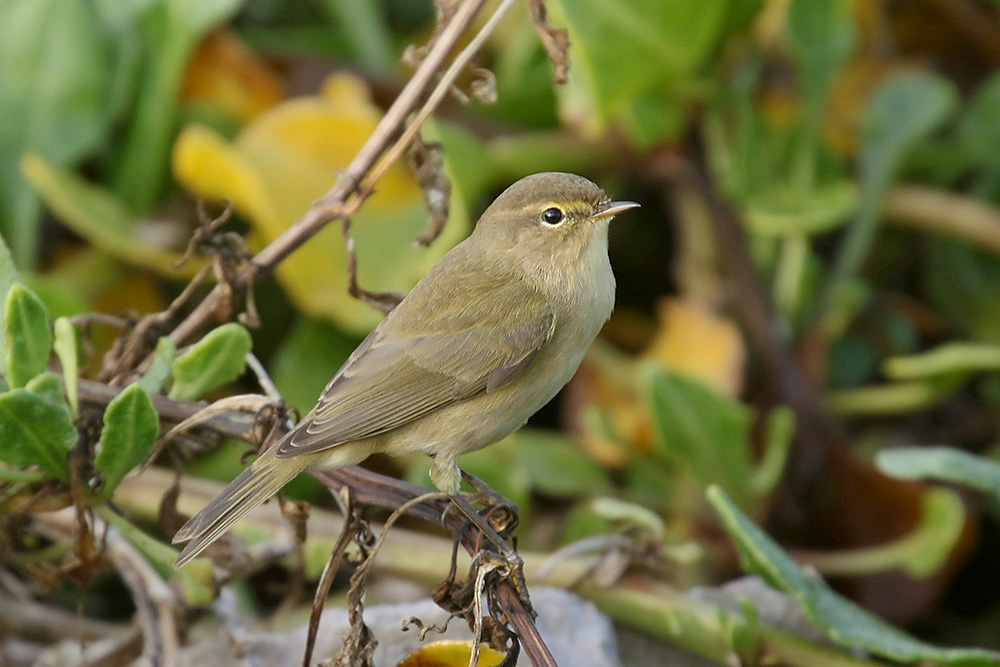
{"x":487,"y":337}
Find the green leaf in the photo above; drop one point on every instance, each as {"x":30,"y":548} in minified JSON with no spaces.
{"x":706,"y":431}
{"x":217,"y":358}
{"x":28,"y":337}
{"x":610,"y":36}
{"x":56,"y":68}
{"x":944,"y":464}
{"x":96,"y":215}
{"x":843,"y":621}
{"x":36,"y":431}
{"x":978,"y":133}
{"x":786,"y":212}
{"x":48,"y":386}
{"x":630,"y":515}
{"x":955,"y":358}
{"x":131,"y":426}
{"x":777,"y":446}
{"x":171,"y":30}
{"x":821,"y":36}
{"x":306,"y":360}
{"x":65,"y":347}
{"x":557,"y":466}
{"x":904,"y":111}
{"x":8,"y":278}
{"x":159,"y":371}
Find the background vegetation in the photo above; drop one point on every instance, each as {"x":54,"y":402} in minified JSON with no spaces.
{"x":808,"y":319}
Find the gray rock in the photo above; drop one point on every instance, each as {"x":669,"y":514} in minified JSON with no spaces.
{"x":574,"y":630}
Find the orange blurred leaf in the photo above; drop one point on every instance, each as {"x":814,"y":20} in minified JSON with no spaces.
{"x":225,"y":75}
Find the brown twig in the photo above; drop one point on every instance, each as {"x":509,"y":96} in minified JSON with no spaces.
{"x":230,"y":424}
{"x":338,"y":202}
{"x":377,"y":490}
{"x":555,"y":40}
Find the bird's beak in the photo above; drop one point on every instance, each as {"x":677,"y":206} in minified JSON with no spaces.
{"x":613,"y":208}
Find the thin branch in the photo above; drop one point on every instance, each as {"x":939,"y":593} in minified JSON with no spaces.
{"x":337,"y":202}
{"x":442,"y":89}
{"x":230,"y":424}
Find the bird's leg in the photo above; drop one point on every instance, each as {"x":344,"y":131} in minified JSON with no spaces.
{"x":495,"y":528}
{"x":484,"y":494}
{"x":508,"y":555}
{"x":448,"y":477}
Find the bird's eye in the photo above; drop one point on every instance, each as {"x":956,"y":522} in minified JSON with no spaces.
{"x":552,"y":216}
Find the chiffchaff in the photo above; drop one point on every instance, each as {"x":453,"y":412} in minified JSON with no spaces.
{"x":485,"y":339}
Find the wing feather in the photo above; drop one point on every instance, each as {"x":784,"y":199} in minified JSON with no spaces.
{"x":426,"y":354}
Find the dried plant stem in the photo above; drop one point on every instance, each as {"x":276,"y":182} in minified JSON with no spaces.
{"x":373,"y":489}
{"x":338,"y":202}
{"x":444,"y":85}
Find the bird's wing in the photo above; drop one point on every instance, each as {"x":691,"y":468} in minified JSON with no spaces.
{"x":431,"y":351}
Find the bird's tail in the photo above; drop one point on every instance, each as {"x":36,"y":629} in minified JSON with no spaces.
{"x":254,"y":485}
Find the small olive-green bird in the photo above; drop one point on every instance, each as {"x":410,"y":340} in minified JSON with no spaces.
{"x":486,"y":338}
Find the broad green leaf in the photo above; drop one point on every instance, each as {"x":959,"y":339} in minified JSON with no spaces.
{"x":706,"y":431}
{"x":902,"y":112}
{"x":787,"y":212}
{"x":56,"y":68}
{"x":610,"y":37}
{"x":557,"y":466}
{"x":8,"y":277}
{"x":171,"y":30}
{"x":159,"y":371}
{"x":364,"y":28}
{"x":48,"y":386}
{"x":821,"y":36}
{"x":29,"y":340}
{"x":131,"y":427}
{"x":96,"y":215}
{"x":217,"y":358}
{"x":842,"y":620}
{"x":943,"y":464}
{"x":36,"y":431}
{"x":65,"y":347}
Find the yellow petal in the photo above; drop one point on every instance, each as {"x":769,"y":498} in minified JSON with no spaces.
{"x":694,"y":340}
{"x":203,"y":161}
{"x":450,"y":653}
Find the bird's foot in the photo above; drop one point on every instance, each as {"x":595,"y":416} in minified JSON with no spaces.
{"x":500,"y":512}
{"x":495,"y":526}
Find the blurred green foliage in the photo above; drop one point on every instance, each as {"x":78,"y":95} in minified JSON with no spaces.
{"x":809,"y":115}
